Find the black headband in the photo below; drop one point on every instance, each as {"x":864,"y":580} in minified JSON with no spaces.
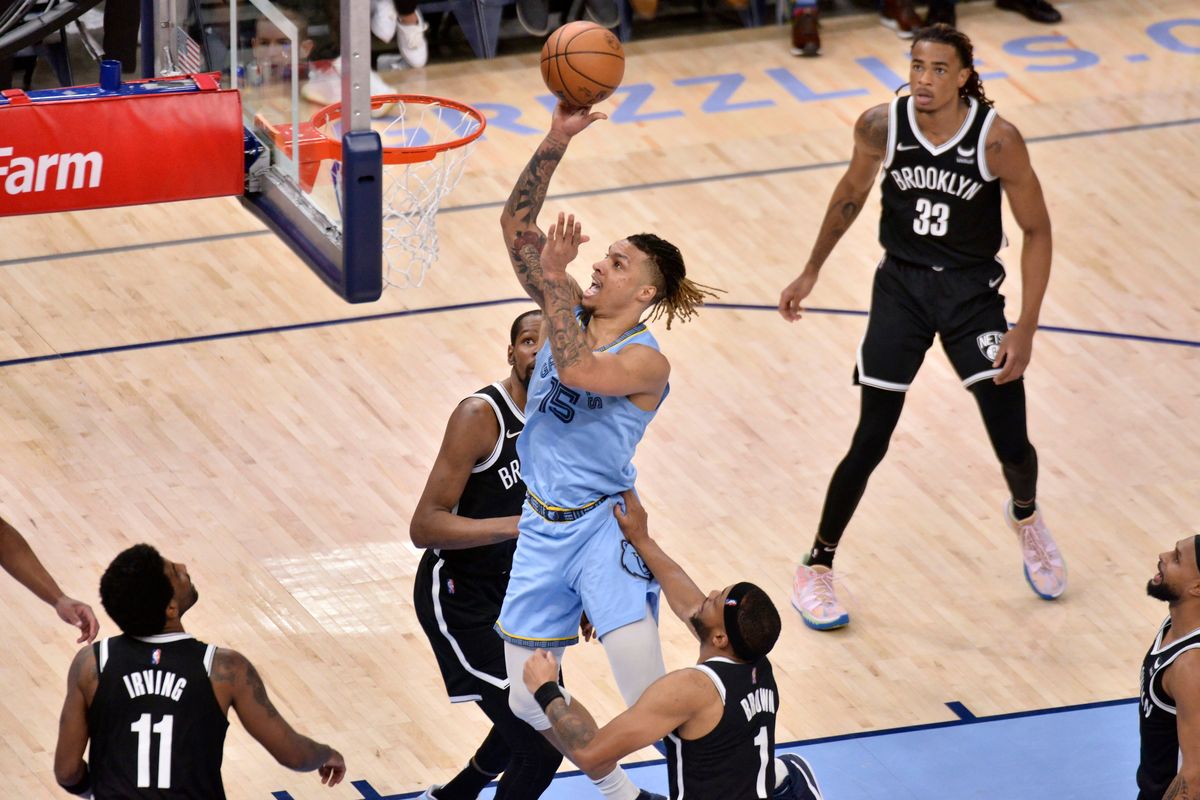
{"x":733,"y":604}
{"x":1196,"y":544}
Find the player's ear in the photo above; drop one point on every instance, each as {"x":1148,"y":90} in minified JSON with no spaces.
{"x":964,"y":75}
{"x":306,"y":46}
{"x":173,"y":610}
{"x":647,"y":293}
{"x":512,"y":361}
{"x":719,"y":639}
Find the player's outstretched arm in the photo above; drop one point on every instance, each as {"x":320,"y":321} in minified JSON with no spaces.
{"x":19,"y":560}
{"x":248,"y":696}
{"x":631,"y":371}
{"x":70,"y":770}
{"x":1008,"y":159}
{"x":849,"y":196}
{"x":522,"y":235}
{"x":470,"y":437}
{"x":1182,"y":682}
{"x":665,"y":705}
{"x":683,"y":595}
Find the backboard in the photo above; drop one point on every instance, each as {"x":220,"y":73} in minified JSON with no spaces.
{"x":289,"y":59}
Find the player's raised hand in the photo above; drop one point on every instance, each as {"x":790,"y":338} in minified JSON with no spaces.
{"x":333,"y":770}
{"x":632,"y":518}
{"x":541,"y":668}
{"x":562,"y":245}
{"x":795,"y":292}
{"x":1016,"y":349}
{"x":570,"y":120}
{"x":80,"y":615}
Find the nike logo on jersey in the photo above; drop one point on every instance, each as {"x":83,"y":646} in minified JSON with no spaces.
{"x":992,"y":284}
{"x":512,"y":435}
{"x":965,"y":153}
{"x":907,"y":146}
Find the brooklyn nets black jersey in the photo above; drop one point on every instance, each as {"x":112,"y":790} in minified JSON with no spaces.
{"x":941,"y":206}
{"x":494,"y":489}
{"x":736,"y":759}
{"x":1160,"y":740}
{"x":157,"y":730}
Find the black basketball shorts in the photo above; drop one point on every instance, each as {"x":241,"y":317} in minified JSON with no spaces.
{"x":911,"y":303}
{"x":457,"y":611}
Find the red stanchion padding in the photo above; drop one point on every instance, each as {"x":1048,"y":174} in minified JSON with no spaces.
{"x":118,"y":151}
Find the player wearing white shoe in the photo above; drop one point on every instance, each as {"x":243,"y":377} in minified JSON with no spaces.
{"x":946,"y":156}
{"x":718,"y":716}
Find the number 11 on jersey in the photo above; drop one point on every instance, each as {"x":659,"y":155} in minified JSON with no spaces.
{"x":144,"y":730}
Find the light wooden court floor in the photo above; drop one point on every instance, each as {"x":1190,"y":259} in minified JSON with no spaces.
{"x":282,"y":467}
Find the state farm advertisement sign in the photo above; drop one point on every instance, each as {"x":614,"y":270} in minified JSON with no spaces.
{"x":66,"y":155}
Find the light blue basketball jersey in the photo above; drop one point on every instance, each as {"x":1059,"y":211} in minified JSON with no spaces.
{"x":578,"y":446}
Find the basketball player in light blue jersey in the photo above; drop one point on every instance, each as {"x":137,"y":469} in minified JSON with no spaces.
{"x":596,"y":384}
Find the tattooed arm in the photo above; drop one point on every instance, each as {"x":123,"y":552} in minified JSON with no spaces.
{"x":1182,"y":681}
{"x":69,"y":767}
{"x":639,"y":373}
{"x":522,"y":236}
{"x":680,"y":698}
{"x":235,"y":678}
{"x":870,"y":148}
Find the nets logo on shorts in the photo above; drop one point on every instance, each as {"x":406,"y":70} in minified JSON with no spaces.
{"x":989,"y":344}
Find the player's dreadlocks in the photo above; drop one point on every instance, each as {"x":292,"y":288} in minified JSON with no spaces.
{"x":944,"y":34}
{"x":677,"y":296}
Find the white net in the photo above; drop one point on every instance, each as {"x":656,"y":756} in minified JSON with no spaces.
{"x":412,"y":193}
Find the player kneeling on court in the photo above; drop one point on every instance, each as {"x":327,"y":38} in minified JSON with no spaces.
{"x":153,"y":701}
{"x":718,"y":716}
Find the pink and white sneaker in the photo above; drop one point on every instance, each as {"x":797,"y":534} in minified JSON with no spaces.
{"x":1045,"y":569}
{"x":814,"y":598}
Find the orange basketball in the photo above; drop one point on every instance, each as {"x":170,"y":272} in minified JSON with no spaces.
{"x":582,"y":63}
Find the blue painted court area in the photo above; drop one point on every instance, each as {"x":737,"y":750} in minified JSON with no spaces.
{"x":1088,"y":751}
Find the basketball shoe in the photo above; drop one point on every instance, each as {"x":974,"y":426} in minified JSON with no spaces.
{"x":801,"y":783}
{"x":900,"y":17}
{"x":1045,"y":569}
{"x":806,"y":31}
{"x":412,"y":42}
{"x":814,"y":598}
{"x":428,"y":793}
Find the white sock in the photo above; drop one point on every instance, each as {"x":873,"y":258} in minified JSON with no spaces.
{"x":617,"y":786}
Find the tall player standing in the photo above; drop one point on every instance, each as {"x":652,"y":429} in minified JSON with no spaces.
{"x":597,"y":383}
{"x":946,"y":156}
{"x":467,"y":518}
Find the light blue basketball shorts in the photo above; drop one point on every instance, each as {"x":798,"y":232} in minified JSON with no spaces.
{"x":563,"y":568}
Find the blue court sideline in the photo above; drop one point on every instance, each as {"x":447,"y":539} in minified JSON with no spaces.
{"x":1087,"y":751}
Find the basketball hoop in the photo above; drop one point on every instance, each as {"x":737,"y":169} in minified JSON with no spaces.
{"x":426,"y":143}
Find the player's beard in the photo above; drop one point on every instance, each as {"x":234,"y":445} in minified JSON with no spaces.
{"x":698,"y":626}
{"x":1161,"y":591}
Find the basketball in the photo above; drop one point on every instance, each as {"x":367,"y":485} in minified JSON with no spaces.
{"x":582,"y":63}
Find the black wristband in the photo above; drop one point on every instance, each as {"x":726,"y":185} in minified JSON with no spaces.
{"x":83,"y":785}
{"x":547,"y":693}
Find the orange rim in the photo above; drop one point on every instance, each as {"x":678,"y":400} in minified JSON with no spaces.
{"x":403,"y":155}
